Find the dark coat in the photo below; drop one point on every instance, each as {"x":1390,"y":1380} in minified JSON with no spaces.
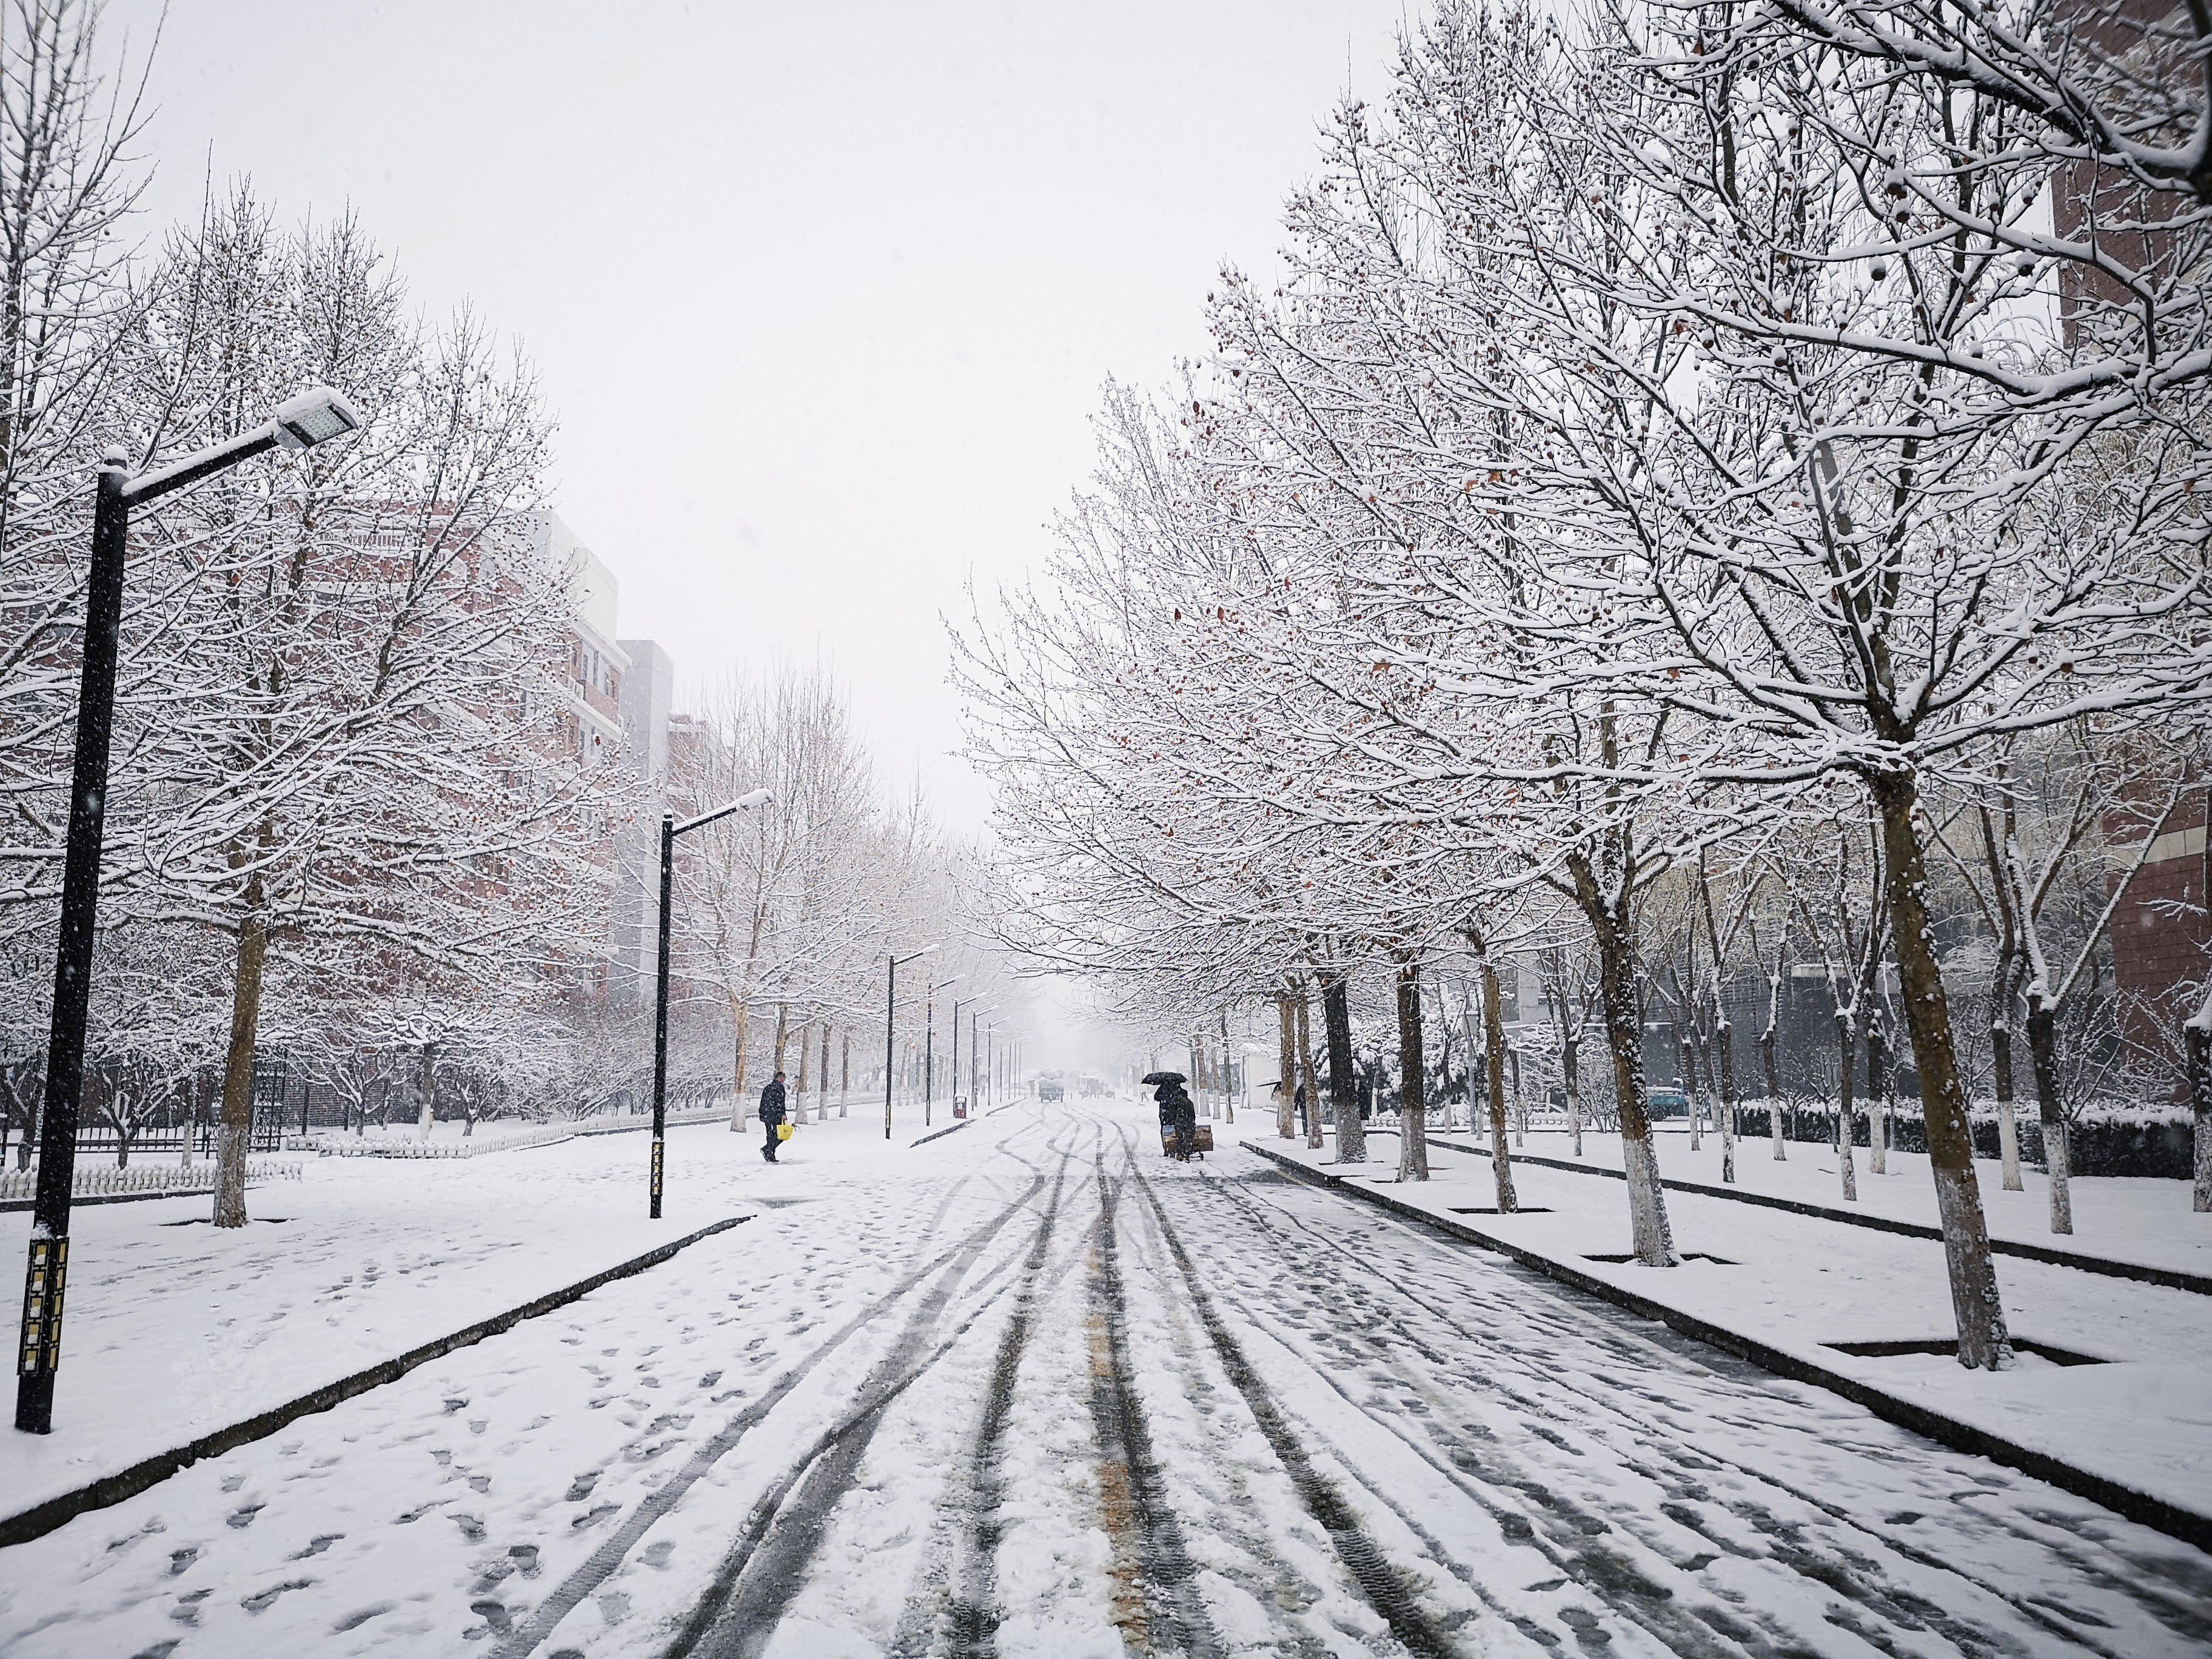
{"x":1183,"y":1112}
{"x":771,"y":1106}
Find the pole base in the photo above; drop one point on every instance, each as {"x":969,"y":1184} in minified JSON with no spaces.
{"x":35,"y":1402}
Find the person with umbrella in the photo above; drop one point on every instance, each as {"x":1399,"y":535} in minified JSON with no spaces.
{"x":1178,"y":1113}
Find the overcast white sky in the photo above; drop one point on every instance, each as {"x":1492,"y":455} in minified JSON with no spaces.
{"x":822,"y":294}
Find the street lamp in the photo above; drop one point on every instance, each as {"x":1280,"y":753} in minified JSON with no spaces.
{"x":990,"y":1083}
{"x":929,"y":1043}
{"x":957,"y":1001}
{"x":890,"y":1017}
{"x":974,"y":1051}
{"x":299,"y":422}
{"x":669,"y":831}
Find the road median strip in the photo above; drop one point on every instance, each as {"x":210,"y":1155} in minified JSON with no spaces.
{"x":42,"y":1518}
{"x":2188,"y":1525}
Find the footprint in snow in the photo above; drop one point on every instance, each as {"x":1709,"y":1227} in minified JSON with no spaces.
{"x":261,"y":1601}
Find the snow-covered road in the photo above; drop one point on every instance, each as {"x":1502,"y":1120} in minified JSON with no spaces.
{"x":1042,"y":1393}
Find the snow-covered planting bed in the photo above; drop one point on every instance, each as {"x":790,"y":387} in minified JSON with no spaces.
{"x":2137,"y":1219}
{"x":1800,"y":1285}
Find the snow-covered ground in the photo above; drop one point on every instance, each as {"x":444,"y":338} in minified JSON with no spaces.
{"x":1029,"y":1389}
{"x":1802,"y":1284}
{"x":173,"y":1329}
{"x":2135,"y":1219}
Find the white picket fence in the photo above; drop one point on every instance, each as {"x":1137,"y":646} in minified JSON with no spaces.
{"x":100,"y":1180}
{"x":498,"y":1140}
{"x":345,"y":1146}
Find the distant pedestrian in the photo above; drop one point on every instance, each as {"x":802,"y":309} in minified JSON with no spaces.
{"x":772,"y":1114}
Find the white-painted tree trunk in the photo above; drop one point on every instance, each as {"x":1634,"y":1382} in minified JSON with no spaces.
{"x":2008,"y":1147}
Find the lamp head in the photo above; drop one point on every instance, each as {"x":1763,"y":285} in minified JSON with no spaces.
{"x":316,"y":416}
{"x":754,"y":800}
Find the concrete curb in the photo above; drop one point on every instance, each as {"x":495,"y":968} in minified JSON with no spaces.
{"x":940,"y":1134}
{"x":41,"y":1519}
{"x":2187,"y":1525}
{"x":2172,"y":1279}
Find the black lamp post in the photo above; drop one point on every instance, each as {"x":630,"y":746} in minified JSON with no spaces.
{"x":890,"y":1017}
{"x":929,"y":1045}
{"x":990,"y":1059}
{"x":299,"y":422}
{"x":669,"y":831}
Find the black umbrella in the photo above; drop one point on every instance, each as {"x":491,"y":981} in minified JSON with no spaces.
{"x":1156,"y":1079}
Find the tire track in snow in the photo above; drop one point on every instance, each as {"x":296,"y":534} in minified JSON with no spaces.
{"x":1384,"y":1587}
{"x":1290,"y":1573}
{"x":526,"y":1635}
{"x":758,"y":1579}
{"x":1155,"y":1598}
{"x":1846,"y":1568}
{"x":969,"y":1618}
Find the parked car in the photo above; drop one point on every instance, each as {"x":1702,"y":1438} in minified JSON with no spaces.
{"x":1051,"y":1089}
{"x":1666,"y":1102}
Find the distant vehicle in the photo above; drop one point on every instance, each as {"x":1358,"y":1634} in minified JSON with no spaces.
{"x":1666,"y":1102}
{"x":1051,"y":1089}
{"x":1091,"y":1086}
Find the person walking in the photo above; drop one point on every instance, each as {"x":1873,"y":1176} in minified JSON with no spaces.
{"x":772,"y":1114}
{"x":1184,"y":1113}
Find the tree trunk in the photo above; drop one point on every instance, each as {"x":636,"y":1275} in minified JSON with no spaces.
{"x":1651,"y":1235}
{"x":1413,"y":1105}
{"x":845,"y":1076}
{"x":236,"y":1140}
{"x":1570,"y":1071}
{"x":1771,"y":1071}
{"x":741,"y":1020}
{"x":1724,"y":1064}
{"x":1343,"y":1088}
{"x":1686,"y":1057}
{"x":822,"y":1080}
{"x":427,"y":1090}
{"x":2043,"y":1056}
{"x":1228,"y":1074}
{"x":1520,"y":1101}
{"x":2002,"y":994}
{"x":782,"y":1033}
{"x":1308,"y":1077}
{"x":805,"y":1053}
{"x":1493,"y":1067}
{"x":1846,"y":1137}
{"x":1877,"y":1098}
{"x":1983,"y":1341}
{"x":2196,"y":1038}
{"x":1286,"y":1102}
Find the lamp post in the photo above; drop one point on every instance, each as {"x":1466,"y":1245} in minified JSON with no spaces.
{"x":990,"y":1081}
{"x":890,"y":1018}
{"x":929,"y":1043}
{"x":300,"y":423}
{"x":669,"y":831}
{"x":974,"y":1057}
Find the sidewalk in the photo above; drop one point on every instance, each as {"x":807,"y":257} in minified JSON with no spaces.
{"x":174,"y":1331}
{"x":1794,"y":1285}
